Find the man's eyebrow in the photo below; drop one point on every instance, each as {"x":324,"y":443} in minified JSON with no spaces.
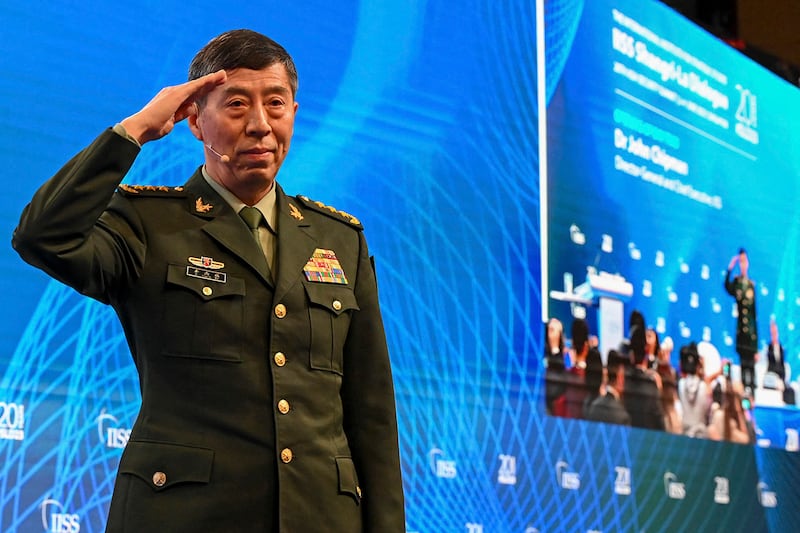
{"x":234,"y":90}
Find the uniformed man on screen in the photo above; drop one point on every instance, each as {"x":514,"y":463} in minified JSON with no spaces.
{"x":252,"y":316}
{"x":743,"y":289}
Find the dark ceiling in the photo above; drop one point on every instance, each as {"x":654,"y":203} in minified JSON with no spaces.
{"x":764,"y":30}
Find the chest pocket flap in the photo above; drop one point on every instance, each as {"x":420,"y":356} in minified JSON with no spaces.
{"x":335,"y":298}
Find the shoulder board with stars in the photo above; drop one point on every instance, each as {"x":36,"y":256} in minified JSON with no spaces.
{"x":151,"y":190}
{"x":331,"y":211}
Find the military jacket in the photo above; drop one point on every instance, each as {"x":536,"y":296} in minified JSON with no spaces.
{"x":744,"y":290}
{"x":266,"y":406}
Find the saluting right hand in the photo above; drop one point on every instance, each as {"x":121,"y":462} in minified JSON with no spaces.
{"x":170,"y":106}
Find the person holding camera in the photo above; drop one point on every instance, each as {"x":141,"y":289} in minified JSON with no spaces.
{"x":729,"y":421}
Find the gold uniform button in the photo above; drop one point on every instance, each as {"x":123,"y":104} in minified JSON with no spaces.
{"x":358,"y":491}
{"x":280,"y":359}
{"x":280,"y":310}
{"x":159,"y":479}
{"x":207,"y":291}
{"x":283,"y":407}
{"x":286,"y":455}
{"x":337,"y":305}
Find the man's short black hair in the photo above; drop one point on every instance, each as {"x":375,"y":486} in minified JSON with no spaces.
{"x":242,"y":49}
{"x":616,"y":363}
{"x":593,"y":376}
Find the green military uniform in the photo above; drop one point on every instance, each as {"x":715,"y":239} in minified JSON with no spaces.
{"x":265,"y":406}
{"x":744,"y":290}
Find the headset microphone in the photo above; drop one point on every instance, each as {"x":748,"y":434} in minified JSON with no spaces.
{"x":222,"y":158}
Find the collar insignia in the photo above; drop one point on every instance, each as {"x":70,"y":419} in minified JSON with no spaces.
{"x":295,"y":213}
{"x":201,"y":207}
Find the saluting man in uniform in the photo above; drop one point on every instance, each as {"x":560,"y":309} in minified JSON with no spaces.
{"x":252,"y":316}
{"x":743,"y":289}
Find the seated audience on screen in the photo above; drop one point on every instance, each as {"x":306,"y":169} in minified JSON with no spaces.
{"x":715,"y":372}
{"x":693,"y":393}
{"x":714,"y":378}
{"x":642,"y":396}
{"x":608,"y":407}
{"x":651,"y":347}
{"x":673,"y":419}
{"x":636,"y":319}
{"x":729,"y":421}
{"x":663,"y":364}
{"x":593,"y":377}
{"x":570,"y":405}
{"x":776,"y":364}
{"x":554,"y":363}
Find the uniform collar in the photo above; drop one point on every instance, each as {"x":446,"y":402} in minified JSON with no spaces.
{"x":266,"y":205}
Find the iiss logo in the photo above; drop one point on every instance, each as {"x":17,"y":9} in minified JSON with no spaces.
{"x":568,"y":480}
{"x":766,"y":497}
{"x":12,"y":421}
{"x":440,"y":466}
{"x":792,"y":440}
{"x":109,"y":431}
{"x":674,"y":489}
{"x":55,"y":519}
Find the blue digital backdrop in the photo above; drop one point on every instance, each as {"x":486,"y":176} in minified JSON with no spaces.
{"x":423,"y":118}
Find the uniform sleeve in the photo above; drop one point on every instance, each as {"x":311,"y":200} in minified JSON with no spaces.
{"x":370,"y":418}
{"x":68,"y":229}
{"x":730,"y":285}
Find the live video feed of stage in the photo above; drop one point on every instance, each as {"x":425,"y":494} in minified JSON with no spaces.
{"x":665,"y":153}
{"x":422,"y":118}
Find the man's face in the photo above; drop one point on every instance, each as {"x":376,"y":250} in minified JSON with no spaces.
{"x":249,"y":119}
{"x":743,"y":262}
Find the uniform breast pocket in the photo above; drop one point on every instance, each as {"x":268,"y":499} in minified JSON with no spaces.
{"x":330,"y":307}
{"x":202,"y":314}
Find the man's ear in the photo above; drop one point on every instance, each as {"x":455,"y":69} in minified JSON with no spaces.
{"x":195,"y":122}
